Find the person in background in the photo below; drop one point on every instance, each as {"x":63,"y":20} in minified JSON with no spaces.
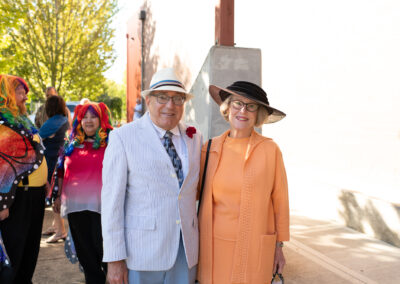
{"x":84,"y":101}
{"x":244,"y":211}
{"x":79,"y":186}
{"x":139,"y":109}
{"x":23,"y":177}
{"x":41,"y":115}
{"x":148,"y":201}
{"x":53,"y":134}
{"x":57,"y":226}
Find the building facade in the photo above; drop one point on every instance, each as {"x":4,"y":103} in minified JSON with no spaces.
{"x":333,"y":67}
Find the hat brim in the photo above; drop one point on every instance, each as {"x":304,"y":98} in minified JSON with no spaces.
{"x":167,"y":89}
{"x":220,"y":94}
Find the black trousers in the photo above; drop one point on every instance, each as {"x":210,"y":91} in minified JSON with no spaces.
{"x":21,"y":233}
{"x":51,"y":165}
{"x":85,"y":229}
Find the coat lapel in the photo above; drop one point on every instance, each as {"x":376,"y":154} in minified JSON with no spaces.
{"x":215,"y":156}
{"x":189,"y":148}
{"x":149,"y":134}
{"x":151,"y":138}
{"x":255,"y":139}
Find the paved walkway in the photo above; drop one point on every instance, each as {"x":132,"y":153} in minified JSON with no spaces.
{"x":319,"y":252}
{"x":326,"y":252}
{"x":53,"y":267}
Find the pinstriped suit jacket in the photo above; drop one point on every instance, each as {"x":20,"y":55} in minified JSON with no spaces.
{"x":143,"y":209}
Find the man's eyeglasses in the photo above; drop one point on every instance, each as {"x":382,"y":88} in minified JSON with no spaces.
{"x":251,"y":107}
{"x":163,"y":99}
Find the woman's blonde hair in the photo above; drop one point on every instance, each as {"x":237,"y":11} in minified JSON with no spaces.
{"x":262,"y":113}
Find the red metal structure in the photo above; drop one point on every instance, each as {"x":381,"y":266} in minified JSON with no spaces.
{"x":133,"y":68}
{"x":224,"y":23}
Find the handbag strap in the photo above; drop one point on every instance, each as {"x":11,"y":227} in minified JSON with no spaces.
{"x":204,"y":174}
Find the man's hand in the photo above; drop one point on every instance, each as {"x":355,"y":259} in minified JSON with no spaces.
{"x":117,"y":273}
{"x":57,"y":205}
{"x":279,"y":260}
{"x":4,"y":214}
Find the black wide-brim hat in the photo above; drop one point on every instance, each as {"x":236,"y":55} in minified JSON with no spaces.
{"x":248,"y":90}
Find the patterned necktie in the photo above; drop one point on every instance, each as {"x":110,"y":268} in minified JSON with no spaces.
{"x":176,"y":161}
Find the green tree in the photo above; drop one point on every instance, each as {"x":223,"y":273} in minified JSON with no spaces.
{"x":117,"y":91}
{"x":115,"y":98}
{"x":62,"y":43}
{"x":8,"y":19}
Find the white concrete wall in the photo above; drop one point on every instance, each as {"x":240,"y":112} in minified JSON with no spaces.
{"x":182,"y":32}
{"x":223,"y":66}
{"x":335,"y":67}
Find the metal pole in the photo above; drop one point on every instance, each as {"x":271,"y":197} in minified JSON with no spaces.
{"x":142,"y":17}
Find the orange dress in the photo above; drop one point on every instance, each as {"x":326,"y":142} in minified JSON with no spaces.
{"x":263,"y":217}
{"x":227,"y":185}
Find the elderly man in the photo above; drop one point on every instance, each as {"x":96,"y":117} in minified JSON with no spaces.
{"x":23,"y":176}
{"x":150,"y":176}
{"x":139,"y":109}
{"x":41,"y":115}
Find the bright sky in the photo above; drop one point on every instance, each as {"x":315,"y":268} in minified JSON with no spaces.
{"x":127,"y":9}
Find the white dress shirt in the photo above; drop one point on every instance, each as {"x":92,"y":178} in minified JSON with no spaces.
{"x":179,"y":144}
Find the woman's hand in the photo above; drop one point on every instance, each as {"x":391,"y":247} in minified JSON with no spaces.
{"x":279,"y":260}
{"x":4,"y":214}
{"x":57,"y":205}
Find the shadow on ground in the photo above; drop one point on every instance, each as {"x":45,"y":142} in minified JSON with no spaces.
{"x":364,"y":255}
{"x":357,"y":216}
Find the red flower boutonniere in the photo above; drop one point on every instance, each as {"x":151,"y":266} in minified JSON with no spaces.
{"x":190,"y":131}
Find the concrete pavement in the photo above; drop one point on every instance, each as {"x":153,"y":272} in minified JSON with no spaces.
{"x":326,"y":252}
{"x":53,"y":267}
{"x":320,"y":251}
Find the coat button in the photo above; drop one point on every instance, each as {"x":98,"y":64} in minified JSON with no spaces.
{"x":178,"y":222}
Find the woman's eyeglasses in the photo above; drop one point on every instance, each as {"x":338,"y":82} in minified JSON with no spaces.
{"x":251,"y":107}
{"x":163,"y":99}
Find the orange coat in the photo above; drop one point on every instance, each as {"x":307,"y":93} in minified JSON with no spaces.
{"x":264,"y":211}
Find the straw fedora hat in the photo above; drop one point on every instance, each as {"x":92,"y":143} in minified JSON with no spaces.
{"x":166,"y":80}
{"x":250,"y":91}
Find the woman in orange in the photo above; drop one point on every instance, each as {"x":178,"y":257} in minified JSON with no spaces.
{"x":244,"y":214}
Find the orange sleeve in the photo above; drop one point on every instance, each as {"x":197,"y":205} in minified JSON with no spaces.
{"x":280,"y":199}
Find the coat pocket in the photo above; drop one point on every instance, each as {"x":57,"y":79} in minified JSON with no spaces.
{"x":266,"y":256}
{"x":140,"y":222}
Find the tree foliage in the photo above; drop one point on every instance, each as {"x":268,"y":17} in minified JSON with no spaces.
{"x":62,"y":43}
{"x":115,"y":98}
{"x":7,"y":21}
